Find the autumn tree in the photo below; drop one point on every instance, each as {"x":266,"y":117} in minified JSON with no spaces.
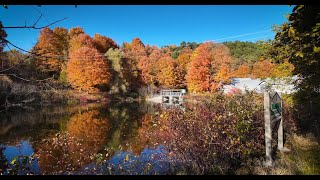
{"x":76,"y":31}
{"x":221,"y":56}
{"x":180,"y":76}
{"x":284,"y":69}
{"x":88,"y":70}
{"x":62,"y":47}
{"x":242,"y":72}
{"x":299,"y":37}
{"x":121,"y":72}
{"x":80,"y":41}
{"x":184,"y":59}
{"x":137,"y":43}
{"x":147,"y":66}
{"x":103,"y":43}
{"x":134,"y":52}
{"x":17,"y":63}
{"x":13,"y":57}
{"x":262,"y":69}
{"x":169,"y":51}
{"x":165,"y":71}
{"x":50,"y":50}
{"x":223,"y":75}
{"x":198,"y":77}
{"x":62,"y":39}
{"x":206,"y":62}
{"x":168,"y":73}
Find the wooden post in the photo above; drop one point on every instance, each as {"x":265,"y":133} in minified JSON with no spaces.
{"x":280,"y":136}
{"x":280,"y":130}
{"x":267,"y":127}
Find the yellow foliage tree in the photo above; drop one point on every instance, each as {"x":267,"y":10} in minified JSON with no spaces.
{"x":169,"y":74}
{"x":223,"y":75}
{"x":284,"y":69}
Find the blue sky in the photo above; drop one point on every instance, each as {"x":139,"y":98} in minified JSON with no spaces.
{"x":154,"y":25}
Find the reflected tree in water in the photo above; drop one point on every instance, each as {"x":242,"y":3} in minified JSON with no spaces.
{"x":75,"y":148}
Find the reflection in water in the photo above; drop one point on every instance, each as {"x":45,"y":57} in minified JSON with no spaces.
{"x":87,"y":133}
{"x":93,"y":139}
{"x":115,"y":138}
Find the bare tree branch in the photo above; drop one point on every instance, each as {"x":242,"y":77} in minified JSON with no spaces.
{"x":37,"y":21}
{"x":30,"y":52}
{"x":16,"y":46}
{"x":28,"y":80}
{"x":32,"y":27}
{"x":41,"y":14}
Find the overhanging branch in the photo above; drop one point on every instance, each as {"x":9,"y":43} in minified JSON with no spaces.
{"x":33,"y":27}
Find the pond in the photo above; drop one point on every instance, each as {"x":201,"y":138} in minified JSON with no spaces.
{"x":81,"y":139}
{"x":205,"y":135}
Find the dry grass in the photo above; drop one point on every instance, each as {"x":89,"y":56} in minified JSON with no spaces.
{"x":303,"y":159}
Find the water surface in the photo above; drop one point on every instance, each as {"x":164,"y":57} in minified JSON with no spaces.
{"x":81,"y":139}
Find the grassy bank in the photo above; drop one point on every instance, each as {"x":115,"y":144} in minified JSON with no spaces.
{"x":303,"y":159}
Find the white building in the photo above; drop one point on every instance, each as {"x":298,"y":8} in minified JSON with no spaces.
{"x":283,"y":85}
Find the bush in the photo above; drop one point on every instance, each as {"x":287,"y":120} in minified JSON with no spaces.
{"x":216,"y":135}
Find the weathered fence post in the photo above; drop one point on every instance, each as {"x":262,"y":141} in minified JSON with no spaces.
{"x":280,"y":129}
{"x":267,"y":127}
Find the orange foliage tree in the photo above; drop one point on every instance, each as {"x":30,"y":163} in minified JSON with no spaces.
{"x":183,"y":62}
{"x":221,"y":56}
{"x":103,"y":43}
{"x":198,"y":77}
{"x":262,"y":69}
{"x":73,"y":32}
{"x":135,"y":52}
{"x":223,"y":75}
{"x":147,"y":67}
{"x":87,"y":69}
{"x":62,"y":39}
{"x":206,"y":62}
{"x":52,"y":48}
{"x":81,"y":40}
{"x":242,"y":72}
{"x":184,"y":59}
